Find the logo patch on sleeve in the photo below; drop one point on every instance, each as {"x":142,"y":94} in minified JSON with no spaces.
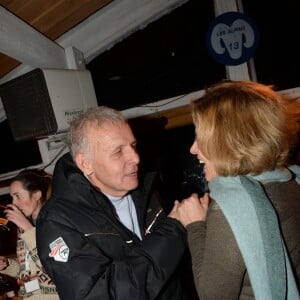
{"x":59,"y":250}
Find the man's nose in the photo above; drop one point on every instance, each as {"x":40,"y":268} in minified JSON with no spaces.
{"x":134,"y":155}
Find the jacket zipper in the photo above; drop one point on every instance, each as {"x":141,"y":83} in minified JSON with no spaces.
{"x":153,"y":221}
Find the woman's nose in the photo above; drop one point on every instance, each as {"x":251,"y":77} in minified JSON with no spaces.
{"x":14,"y":202}
{"x":194,"y":148}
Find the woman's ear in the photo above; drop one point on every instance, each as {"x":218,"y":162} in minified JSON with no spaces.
{"x":83,"y":163}
{"x":37,"y":195}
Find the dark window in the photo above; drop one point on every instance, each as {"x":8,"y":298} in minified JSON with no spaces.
{"x":166,"y":59}
{"x":17,"y":155}
{"x":277,"y":59}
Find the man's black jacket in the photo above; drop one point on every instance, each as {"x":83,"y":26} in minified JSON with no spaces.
{"x":90,"y":254}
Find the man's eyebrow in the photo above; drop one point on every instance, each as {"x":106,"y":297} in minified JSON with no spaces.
{"x":115,"y":148}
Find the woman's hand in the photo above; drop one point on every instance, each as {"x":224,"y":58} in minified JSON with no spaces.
{"x":3,"y":263}
{"x":191,"y":209}
{"x":13,"y":214}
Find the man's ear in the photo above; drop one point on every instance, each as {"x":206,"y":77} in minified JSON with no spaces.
{"x":83,"y":163}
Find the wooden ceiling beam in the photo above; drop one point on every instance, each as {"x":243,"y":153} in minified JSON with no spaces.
{"x":100,"y":31}
{"x":114,"y":23}
{"x":27,"y":45}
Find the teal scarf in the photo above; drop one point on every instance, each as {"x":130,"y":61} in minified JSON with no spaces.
{"x":255,"y":226}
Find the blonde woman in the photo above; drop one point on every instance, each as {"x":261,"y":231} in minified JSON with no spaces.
{"x":249,"y":246}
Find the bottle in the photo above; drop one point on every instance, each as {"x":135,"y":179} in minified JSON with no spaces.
{"x":11,"y":295}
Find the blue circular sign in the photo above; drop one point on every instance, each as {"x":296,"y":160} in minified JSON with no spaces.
{"x":232,"y":38}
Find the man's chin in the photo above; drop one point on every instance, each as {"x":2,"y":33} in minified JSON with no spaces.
{"x":132,"y":185}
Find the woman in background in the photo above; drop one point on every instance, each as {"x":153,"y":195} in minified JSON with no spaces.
{"x":245,"y":134}
{"x":29,"y":190}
